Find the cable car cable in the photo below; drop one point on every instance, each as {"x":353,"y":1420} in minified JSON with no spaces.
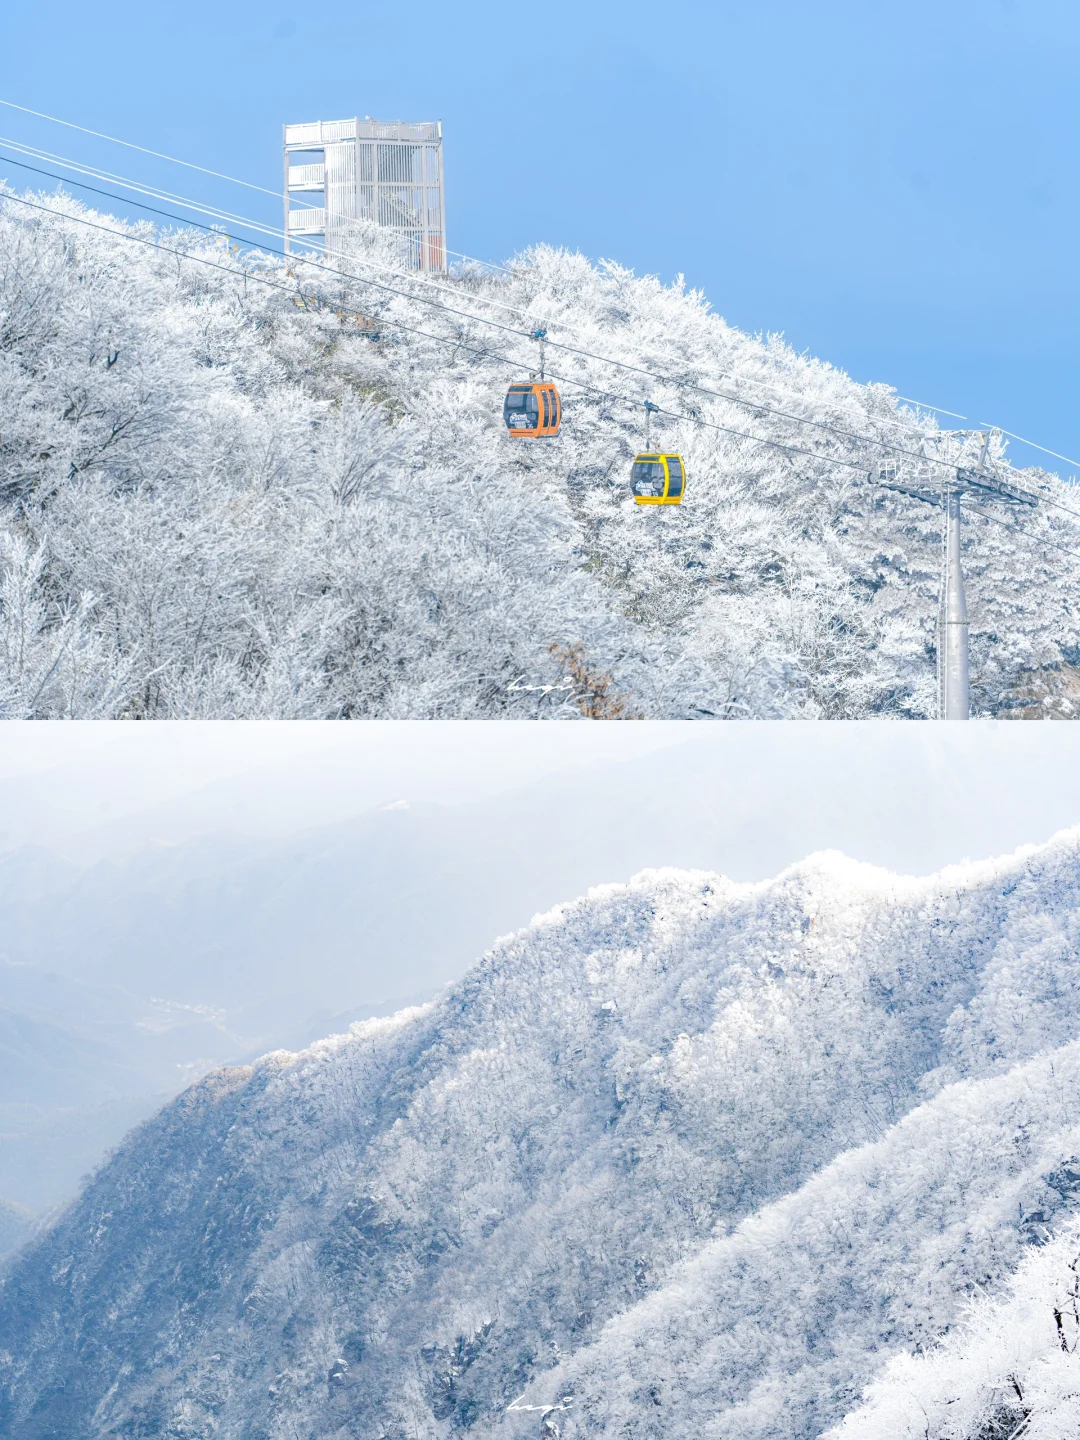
{"x":1037,"y":539}
{"x":538,"y":335}
{"x":447,"y":340}
{"x":156,"y":153}
{"x":278,"y":285}
{"x":232,"y":179}
{"x":215,"y":212}
{"x":585,"y":354}
{"x":1045,"y":499}
{"x":267,"y":230}
{"x":123,"y":200}
{"x":483,"y":354}
{"x":1034,"y":445}
{"x":935,"y":408}
{"x":263,"y":229}
{"x":153,"y":190}
{"x":253,"y":225}
{"x":456,"y":344}
{"x":509,"y":329}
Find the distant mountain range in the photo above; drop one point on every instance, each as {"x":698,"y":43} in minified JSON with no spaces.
{"x":683,"y":1157}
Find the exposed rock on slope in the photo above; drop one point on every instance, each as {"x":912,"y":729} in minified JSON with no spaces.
{"x":399,"y":1231}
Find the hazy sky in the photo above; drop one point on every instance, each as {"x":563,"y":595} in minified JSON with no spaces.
{"x":172,"y":755}
{"x":894,"y":187}
{"x":452,"y":756}
{"x":912,"y":796}
{"x":273,"y":778}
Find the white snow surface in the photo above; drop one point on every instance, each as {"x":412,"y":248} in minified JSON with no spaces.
{"x":704,"y":1158}
{"x":219,"y":498}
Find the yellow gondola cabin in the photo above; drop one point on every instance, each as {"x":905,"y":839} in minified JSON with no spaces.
{"x":532,"y":411}
{"x":658,"y":479}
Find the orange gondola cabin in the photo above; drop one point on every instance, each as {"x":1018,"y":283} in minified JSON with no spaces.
{"x":532,"y":412}
{"x":658,"y":479}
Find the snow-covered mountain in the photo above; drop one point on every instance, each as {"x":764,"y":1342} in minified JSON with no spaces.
{"x":121,"y":981}
{"x":773,"y":1330}
{"x":221,"y":496}
{"x":684,"y":1156}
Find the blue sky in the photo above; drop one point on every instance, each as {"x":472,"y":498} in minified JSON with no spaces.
{"x":894,"y":187}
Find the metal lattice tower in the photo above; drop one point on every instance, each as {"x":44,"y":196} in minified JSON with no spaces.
{"x":341,"y":171}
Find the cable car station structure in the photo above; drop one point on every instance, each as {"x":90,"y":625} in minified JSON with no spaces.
{"x":340,"y":171}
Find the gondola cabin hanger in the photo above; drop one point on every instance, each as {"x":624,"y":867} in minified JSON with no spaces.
{"x":533,"y":411}
{"x":656,"y":478}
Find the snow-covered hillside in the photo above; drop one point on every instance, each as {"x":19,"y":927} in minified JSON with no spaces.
{"x":1008,"y":1369}
{"x":124,"y":980}
{"x":700,"y":1156}
{"x":221,"y":496}
{"x":773,"y":1331}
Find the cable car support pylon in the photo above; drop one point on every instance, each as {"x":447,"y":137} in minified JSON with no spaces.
{"x":918,"y":479}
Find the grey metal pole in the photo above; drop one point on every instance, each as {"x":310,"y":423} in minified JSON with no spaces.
{"x":649,"y":408}
{"x":285,"y":181}
{"x":957,"y":703}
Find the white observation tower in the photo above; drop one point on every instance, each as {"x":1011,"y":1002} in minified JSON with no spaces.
{"x":338,"y":171}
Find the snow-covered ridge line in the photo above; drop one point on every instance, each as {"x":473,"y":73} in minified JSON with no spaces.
{"x":825,"y":868}
{"x":883,"y":1250}
{"x":1011,"y":1363}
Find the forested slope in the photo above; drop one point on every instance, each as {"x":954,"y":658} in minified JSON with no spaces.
{"x":232,"y":489}
{"x":774,"y":1330}
{"x":701,"y":1156}
{"x":1008,"y":1369}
